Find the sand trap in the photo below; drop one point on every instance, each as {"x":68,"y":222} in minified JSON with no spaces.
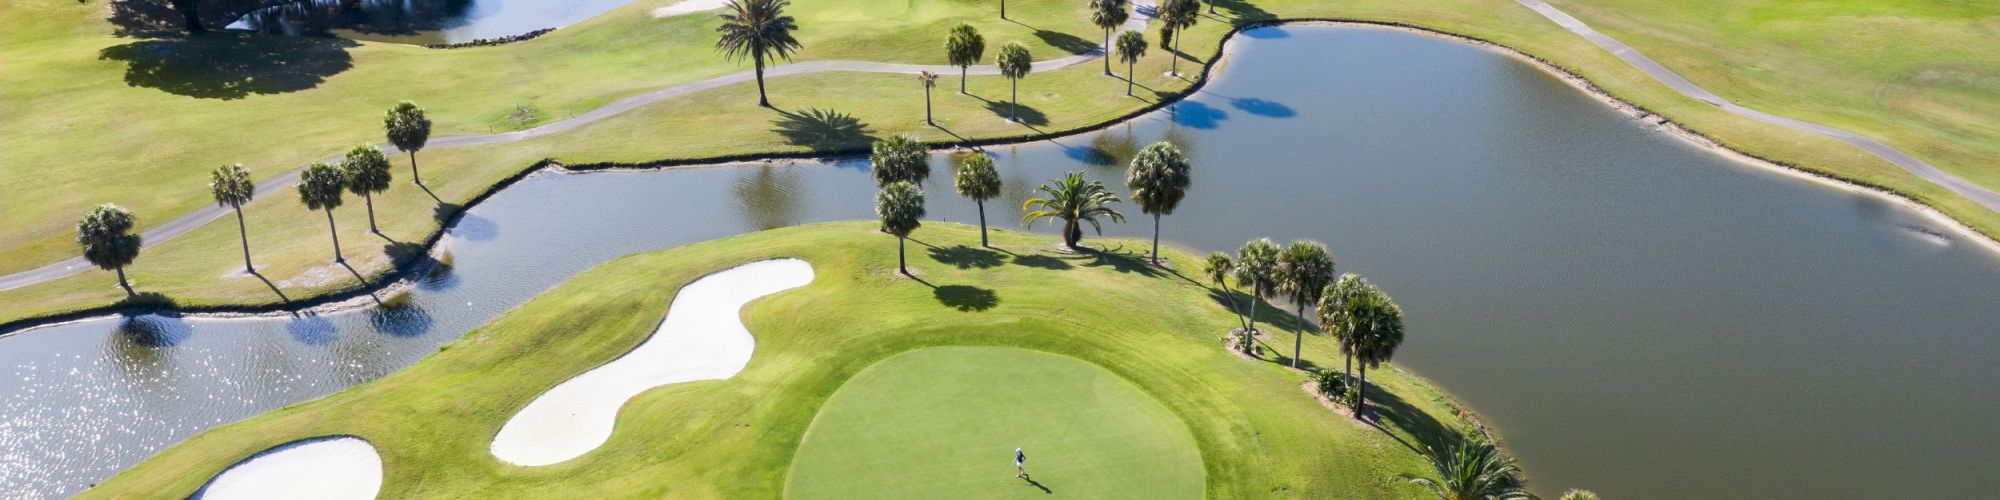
{"x":702,"y":338}
{"x":689,"y":7}
{"x":319,"y":468}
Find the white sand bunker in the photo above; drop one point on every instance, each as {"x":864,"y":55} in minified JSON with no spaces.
{"x":336,"y":467}
{"x":703,"y":338}
{"x":689,"y":7}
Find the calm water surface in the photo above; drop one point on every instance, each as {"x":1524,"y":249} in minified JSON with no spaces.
{"x":420,"y":21}
{"x":1638,"y":316}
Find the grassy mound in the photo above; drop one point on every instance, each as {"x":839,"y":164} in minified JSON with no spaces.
{"x":943,"y":422}
{"x":1257,"y":433}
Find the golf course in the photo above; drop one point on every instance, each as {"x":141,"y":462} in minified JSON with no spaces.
{"x":868,"y":383}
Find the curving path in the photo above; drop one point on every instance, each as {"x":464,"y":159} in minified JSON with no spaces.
{"x":1981,"y":195}
{"x":1143,"y":10}
{"x":702,"y":338}
{"x":331,"y":468}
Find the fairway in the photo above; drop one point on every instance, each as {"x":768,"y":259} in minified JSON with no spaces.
{"x":943,"y":422}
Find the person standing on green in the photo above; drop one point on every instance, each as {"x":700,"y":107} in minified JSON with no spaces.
{"x":1020,"y":464}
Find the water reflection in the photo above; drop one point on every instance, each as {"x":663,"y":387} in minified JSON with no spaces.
{"x":769,"y":198}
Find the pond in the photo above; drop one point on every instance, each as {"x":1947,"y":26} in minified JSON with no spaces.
{"x":420,"y":21}
{"x":1635,"y":314}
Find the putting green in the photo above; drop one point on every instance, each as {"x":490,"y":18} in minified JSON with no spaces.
{"x":943,"y":422}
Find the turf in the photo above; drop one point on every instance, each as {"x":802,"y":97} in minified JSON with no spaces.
{"x":1151,"y":334}
{"x":943,"y":422}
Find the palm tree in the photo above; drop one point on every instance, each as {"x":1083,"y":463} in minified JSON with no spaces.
{"x":1177,"y":16}
{"x":964,"y":47}
{"x":409,"y":128}
{"x":1378,"y":331}
{"x":929,"y":80}
{"x":1015,"y":62}
{"x":232,"y":188}
{"x":900,"y":158}
{"x":1073,"y":200}
{"x":1304,"y":269}
{"x":1472,"y":469}
{"x":1217,"y":268}
{"x":1108,"y":15}
{"x":901,"y":206}
{"x":757,"y":30}
{"x":1131,"y":47}
{"x":106,"y":236}
{"x":319,"y":189}
{"x":1333,"y":317}
{"x":1158,"y":178}
{"x":367,"y":173}
{"x":978,"y":180}
{"x":1257,"y":268}
{"x":1576,"y":494}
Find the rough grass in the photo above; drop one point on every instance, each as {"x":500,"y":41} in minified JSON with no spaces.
{"x":290,"y":243}
{"x":1257,"y":433}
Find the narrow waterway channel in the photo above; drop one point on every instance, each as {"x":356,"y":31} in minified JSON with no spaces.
{"x":1637,"y":315}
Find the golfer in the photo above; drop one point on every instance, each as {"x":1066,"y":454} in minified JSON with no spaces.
{"x":1020,"y":464}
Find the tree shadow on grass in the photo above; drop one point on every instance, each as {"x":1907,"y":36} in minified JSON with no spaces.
{"x":1244,"y":11}
{"x":823,"y":129}
{"x":1388,"y":407}
{"x":964,"y":257}
{"x":1024,"y":114}
{"x":1118,"y":260}
{"x":966,"y":298}
{"x":1065,"y":42}
{"x":1041,"y":262}
{"x":228,"y":65}
{"x":144,"y":18}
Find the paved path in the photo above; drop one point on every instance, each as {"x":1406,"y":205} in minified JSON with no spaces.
{"x":1978,"y":194}
{"x":277,"y":186}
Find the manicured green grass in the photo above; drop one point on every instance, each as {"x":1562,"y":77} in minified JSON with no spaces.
{"x":292,"y":249}
{"x":943,"y":422}
{"x":1257,"y":432}
{"x":1922,"y":75}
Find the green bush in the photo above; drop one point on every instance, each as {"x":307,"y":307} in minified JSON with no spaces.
{"x":1331,"y":384}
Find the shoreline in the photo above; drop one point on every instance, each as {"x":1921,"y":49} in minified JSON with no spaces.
{"x":402,"y":276}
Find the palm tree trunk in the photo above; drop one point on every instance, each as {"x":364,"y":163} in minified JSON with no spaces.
{"x":902,"y":262}
{"x":961,"y":78}
{"x":1003,"y":9}
{"x":1071,"y":233}
{"x":1130,"y":67}
{"x":1177,"y":55}
{"x":336,"y":236}
{"x":244,"y":233}
{"x":1233,"y":308}
{"x":1299,"y":342}
{"x":1107,"y":52}
{"x":189,"y":15}
{"x":121,"y":281}
{"x":982,"y":223}
{"x":762,"y":101}
{"x":370,"y":198}
{"x":1156,"y":239}
{"x":1361,"y":394}
{"x":1255,"y":293}
{"x":927,"y":105}
{"x":1211,"y":6}
{"x":1347,"y":349}
{"x":1014,"y":103}
{"x":419,"y":179}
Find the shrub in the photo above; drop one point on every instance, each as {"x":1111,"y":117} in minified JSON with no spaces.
{"x":1330,"y":384}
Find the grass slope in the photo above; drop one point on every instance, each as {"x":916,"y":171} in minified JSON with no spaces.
{"x":943,"y":422}
{"x":291,"y":247}
{"x":1258,"y":434}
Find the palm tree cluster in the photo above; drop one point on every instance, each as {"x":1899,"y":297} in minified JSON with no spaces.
{"x":1176,"y":16}
{"x":1366,"y":323}
{"x":1073,"y":200}
{"x":106,"y":232}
